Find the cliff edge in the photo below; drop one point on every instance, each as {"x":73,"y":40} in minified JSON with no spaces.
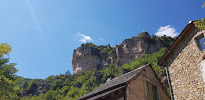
{"x":89,"y":56}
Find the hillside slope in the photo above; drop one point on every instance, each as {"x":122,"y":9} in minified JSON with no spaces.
{"x":71,"y":87}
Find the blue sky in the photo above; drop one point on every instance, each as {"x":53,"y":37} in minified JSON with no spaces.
{"x":44,"y":33}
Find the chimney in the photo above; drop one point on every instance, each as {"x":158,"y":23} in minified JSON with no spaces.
{"x":110,"y":77}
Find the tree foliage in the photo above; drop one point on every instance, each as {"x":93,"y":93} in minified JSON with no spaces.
{"x":147,"y":59}
{"x":71,"y":87}
{"x":200,"y":24}
{"x":101,"y":48}
{"x":7,"y":74}
{"x":68,"y":73}
{"x":33,"y":82}
{"x":64,"y":87}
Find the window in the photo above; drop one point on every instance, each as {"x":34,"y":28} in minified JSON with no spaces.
{"x":152,"y":93}
{"x":201,"y":41}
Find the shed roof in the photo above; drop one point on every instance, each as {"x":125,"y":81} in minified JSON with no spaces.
{"x":117,"y":82}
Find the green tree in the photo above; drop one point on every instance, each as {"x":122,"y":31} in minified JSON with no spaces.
{"x":146,"y":59}
{"x":200,"y":23}
{"x":73,"y":94}
{"x":25,"y":85}
{"x":50,"y":95}
{"x":68,"y":73}
{"x":112,"y":70}
{"x":57,"y":84}
{"x":7,"y":74}
{"x":64,"y":90}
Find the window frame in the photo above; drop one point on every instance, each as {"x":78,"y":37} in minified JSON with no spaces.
{"x":197,"y":38}
{"x":157,"y":90}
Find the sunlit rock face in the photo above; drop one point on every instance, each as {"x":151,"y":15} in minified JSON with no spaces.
{"x":134,"y":48}
{"x":87,"y":58}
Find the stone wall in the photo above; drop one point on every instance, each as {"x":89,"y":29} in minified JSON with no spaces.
{"x":136,"y":89}
{"x":185,"y":68}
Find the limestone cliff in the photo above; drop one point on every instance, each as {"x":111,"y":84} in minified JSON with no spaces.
{"x":88,"y":56}
{"x":134,"y":48}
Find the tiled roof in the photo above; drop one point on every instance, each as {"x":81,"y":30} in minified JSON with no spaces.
{"x":114,"y":83}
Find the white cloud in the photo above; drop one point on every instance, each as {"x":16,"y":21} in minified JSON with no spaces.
{"x":166,"y":30}
{"x":84,"y":38}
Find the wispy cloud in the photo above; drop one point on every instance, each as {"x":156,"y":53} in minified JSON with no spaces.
{"x":84,"y":38}
{"x":166,"y":30}
{"x":33,"y":16}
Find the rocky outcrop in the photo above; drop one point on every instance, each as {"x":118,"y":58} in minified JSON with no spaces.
{"x":134,"y":48}
{"x":88,"y":56}
{"x":37,"y":88}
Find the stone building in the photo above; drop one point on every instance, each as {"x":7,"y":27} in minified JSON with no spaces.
{"x":185,"y":65}
{"x":139,"y":84}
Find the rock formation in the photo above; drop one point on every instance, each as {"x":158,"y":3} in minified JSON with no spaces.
{"x":88,"y":56}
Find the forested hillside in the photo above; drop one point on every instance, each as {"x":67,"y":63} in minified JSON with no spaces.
{"x":71,"y":87}
{"x":66,"y":86}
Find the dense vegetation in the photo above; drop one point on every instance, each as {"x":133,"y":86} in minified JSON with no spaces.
{"x":200,"y":23}
{"x":71,"y":87}
{"x":67,"y":86}
{"x":8,"y":79}
{"x":166,"y":40}
{"x":101,"y":48}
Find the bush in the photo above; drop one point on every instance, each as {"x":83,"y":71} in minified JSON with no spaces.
{"x":74,"y":86}
{"x":33,"y":82}
{"x":57,"y":84}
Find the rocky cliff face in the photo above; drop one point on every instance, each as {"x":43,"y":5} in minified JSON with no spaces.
{"x":88,"y":56}
{"x":37,"y":89}
{"x":134,"y":48}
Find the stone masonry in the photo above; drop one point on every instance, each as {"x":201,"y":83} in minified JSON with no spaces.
{"x":185,"y":68}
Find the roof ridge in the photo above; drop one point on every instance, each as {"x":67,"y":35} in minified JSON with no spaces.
{"x":116,"y":82}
